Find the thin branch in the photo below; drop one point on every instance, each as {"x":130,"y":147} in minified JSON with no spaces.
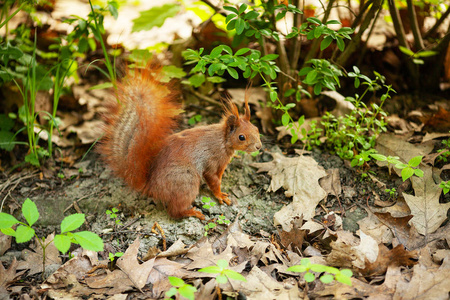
{"x":414,"y":26}
{"x":437,"y":24}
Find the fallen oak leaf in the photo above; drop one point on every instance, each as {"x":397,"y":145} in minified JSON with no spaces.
{"x":406,"y":234}
{"x":128,"y":263}
{"x":299,"y":176}
{"x":395,"y":257}
{"x":428,"y":213}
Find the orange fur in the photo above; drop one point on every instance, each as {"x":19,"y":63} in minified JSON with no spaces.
{"x":140,"y":146}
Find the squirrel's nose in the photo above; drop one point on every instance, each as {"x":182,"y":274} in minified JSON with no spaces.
{"x":258,"y":146}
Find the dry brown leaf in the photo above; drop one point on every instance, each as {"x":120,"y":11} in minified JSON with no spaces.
{"x":376,"y":229}
{"x":33,"y":260}
{"x":128,"y":263}
{"x":5,"y":243}
{"x":162,"y":269}
{"x":428,"y":213}
{"x":293,"y":239}
{"x":7,"y":276}
{"x":428,"y":280}
{"x":342,"y":107}
{"x":299,"y":176}
{"x":349,"y":251}
{"x":203,"y":256}
{"x":332,"y":182}
{"x":259,"y":285}
{"x":77,"y":266}
{"x":389,"y":258}
{"x":406,"y":234}
{"x":395,"y":145}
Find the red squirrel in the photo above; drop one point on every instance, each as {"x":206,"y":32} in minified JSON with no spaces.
{"x":141,"y":147}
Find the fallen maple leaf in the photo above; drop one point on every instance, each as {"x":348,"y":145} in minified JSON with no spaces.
{"x":299,"y":176}
{"x":428,"y":213}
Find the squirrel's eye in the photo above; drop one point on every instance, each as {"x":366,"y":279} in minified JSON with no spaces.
{"x":242,"y":137}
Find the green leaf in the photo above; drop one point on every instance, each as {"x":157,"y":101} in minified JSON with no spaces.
{"x":305,"y":262}
{"x":415,"y":161}
{"x":7,"y":220}
{"x":240,"y":25}
{"x":269,"y":57}
{"x":406,"y":51}
{"x":318,"y":268}
{"x":309,"y":277}
{"x":297,"y":269}
{"x":72,"y":222}
{"x":327,"y":278}
{"x":216,"y":51}
{"x":285,"y":119}
{"x":418,"y":172}
{"x":222,"y":263}
{"x":314,"y":20}
{"x":251,"y":15}
{"x":347,"y":272}
{"x":24,"y":234}
{"x":30,"y":211}
{"x":305,"y":71}
{"x":242,"y":8}
{"x":89,"y":240}
{"x":317,"y":89}
{"x":233,"y":73}
{"x":197,"y":79}
{"x":326,"y":42}
{"x":221,"y":278}
{"x":8,"y":231}
{"x":231,"y":8}
{"x":426,"y":53}
{"x":187,"y":291}
{"x":273,"y":96}
{"x":344,"y":279}
{"x":234,"y":275}
{"x":155,"y":16}
{"x":242,"y":51}
{"x":407,"y":173}
{"x":175,"y":281}
{"x":172,"y":292}
{"x":102,"y":86}
{"x":62,"y":242}
{"x":211,"y":269}
{"x":340,"y":43}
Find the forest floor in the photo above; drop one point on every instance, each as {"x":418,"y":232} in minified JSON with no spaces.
{"x":287,"y":204}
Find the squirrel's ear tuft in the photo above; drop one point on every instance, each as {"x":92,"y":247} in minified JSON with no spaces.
{"x":232,"y":123}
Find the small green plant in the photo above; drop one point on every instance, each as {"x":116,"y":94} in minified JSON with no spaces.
{"x":445,"y":185}
{"x":224,"y":273}
{"x":208,"y":203}
{"x":195,"y":119}
{"x":408,"y":170}
{"x":114,"y":256}
{"x":417,"y":57}
{"x":391,"y":192}
{"x":445,"y":152}
{"x":113,"y":215}
{"x":24,"y":232}
{"x":343,"y":276}
{"x":222,"y":220}
{"x":181,"y":288}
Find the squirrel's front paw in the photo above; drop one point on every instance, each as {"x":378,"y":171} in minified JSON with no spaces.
{"x":223,"y":197}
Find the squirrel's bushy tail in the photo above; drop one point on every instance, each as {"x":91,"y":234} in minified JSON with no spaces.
{"x":138,"y":125}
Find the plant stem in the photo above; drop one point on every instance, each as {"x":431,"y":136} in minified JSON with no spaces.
{"x":414,"y":26}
